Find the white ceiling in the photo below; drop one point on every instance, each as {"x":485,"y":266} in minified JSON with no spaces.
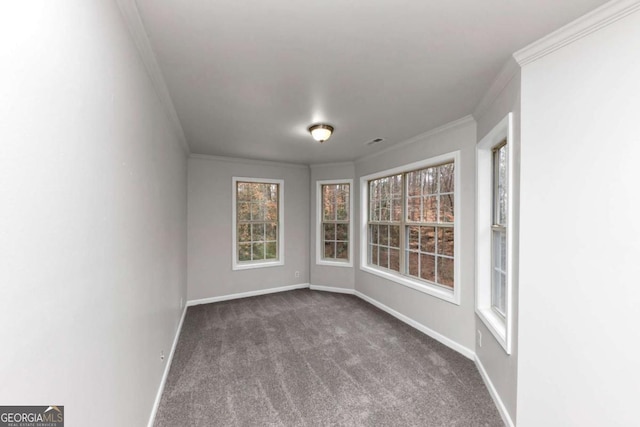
{"x":248,"y":77}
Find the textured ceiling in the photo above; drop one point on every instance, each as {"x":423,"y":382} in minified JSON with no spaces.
{"x":248,"y":77}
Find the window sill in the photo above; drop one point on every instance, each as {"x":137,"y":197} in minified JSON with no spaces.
{"x":496,"y":326}
{"x":251,"y":265}
{"x":334,"y":263}
{"x":433,"y":290}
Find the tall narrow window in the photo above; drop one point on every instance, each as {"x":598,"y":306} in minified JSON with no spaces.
{"x":334,"y":223}
{"x":499,"y":229}
{"x":257,"y":223}
{"x":494,"y":232}
{"x":411,"y":225}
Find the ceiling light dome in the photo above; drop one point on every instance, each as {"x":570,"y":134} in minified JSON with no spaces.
{"x":321,"y":132}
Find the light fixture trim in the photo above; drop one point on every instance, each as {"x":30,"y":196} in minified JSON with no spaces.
{"x":321,"y":132}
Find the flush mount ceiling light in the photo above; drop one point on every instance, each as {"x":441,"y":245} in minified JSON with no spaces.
{"x":321,"y":132}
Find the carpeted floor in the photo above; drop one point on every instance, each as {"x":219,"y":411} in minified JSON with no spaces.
{"x":309,"y":358}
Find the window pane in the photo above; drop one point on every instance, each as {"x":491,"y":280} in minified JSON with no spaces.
{"x":500,"y":249}
{"x":271,"y":250}
{"x":384,"y":235}
{"x":413,"y":183}
{"x":385,"y":209}
{"x":413,"y":263}
{"x":396,"y":189}
{"x":446,"y":178}
{"x":244,"y":211}
{"x":271,"y":231}
{"x":446,"y":208}
{"x":429,"y":181}
{"x":413,"y":237}
{"x":427,"y":239}
{"x":430,"y":209}
{"x":498,"y":291}
{"x":257,"y":251}
{"x":244,"y":252}
{"x":445,"y":271}
{"x":328,"y":199}
{"x":384,"y":257}
{"x":243,"y":192}
{"x":445,"y":241}
{"x":257,"y":212}
{"x":329,"y":250}
{"x":501,"y":185}
{"x":396,"y":210}
{"x":342,"y":250}
{"x":244,"y":233}
{"x":394,"y":236}
{"x":257,"y":232}
{"x":373,"y":254}
{"x":329,"y":231}
{"x":413,"y":209}
{"x":394,"y":259}
{"x":271,"y":213}
{"x":373,"y":234}
{"x":427,"y":267}
{"x":342,"y":232}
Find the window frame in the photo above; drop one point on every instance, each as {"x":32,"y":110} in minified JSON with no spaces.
{"x":450,"y":295}
{"x":500,"y":326}
{"x":246,"y":265}
{"x":320,"y":220}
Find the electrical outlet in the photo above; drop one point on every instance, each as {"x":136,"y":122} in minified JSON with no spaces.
{"x":297,"y":274}
{"x":162,"y":355}
{"x":479,"y":338}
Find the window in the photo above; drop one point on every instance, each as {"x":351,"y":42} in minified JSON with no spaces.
{"x":410,"y":226}
{"x":257,"y":223}
{"x":333,"y":235}
{"x":494,"y":232}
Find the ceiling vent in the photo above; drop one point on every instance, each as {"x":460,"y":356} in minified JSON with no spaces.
{"x":374,"y":142}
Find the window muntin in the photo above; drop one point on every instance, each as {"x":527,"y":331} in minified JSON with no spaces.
{"x":414,"y":211}
{"x":499,"y":229}
{"x":335,"y":222}
{"x":257,"y":221}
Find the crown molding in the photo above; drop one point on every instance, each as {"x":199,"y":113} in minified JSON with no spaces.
{"x":131,"y":15}
{"x":506,"y":74}
{"x":247,"y":161}
{"x":593,"y":21}
{"x":327,"y":165}
{"x":421,"y":137}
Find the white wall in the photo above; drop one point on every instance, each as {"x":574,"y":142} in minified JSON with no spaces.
{"x":92,"y":217}
{"x":580,"y":234}
{"x":210,"y":227}
{"x":325,"y":275}
{"x":501,"y":367}
{"x":455,"y":322}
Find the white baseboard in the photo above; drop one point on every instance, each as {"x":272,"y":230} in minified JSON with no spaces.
{"x":419,"y":326}
{"x":246,"y":294}
{"x":167,"y":367}
{"x":332,"y":289}
{"x":494,"y":394}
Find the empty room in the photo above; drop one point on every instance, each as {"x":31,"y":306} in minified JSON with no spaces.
{"x":358,"y":213}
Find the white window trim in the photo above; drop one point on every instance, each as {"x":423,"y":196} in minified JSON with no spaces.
{"x":246,"y":265}
{"x":452,"y":296}
{"x":319,"y":251}
{"x":500,"y":328}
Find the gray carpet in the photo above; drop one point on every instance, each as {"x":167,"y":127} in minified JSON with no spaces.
{"x":308,"y":358}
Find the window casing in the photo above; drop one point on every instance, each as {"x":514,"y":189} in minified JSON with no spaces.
{"x":258,"y":227}
{"x":494,"y":231}
{"x":410,"y":223}
{"x":333,"y":223}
